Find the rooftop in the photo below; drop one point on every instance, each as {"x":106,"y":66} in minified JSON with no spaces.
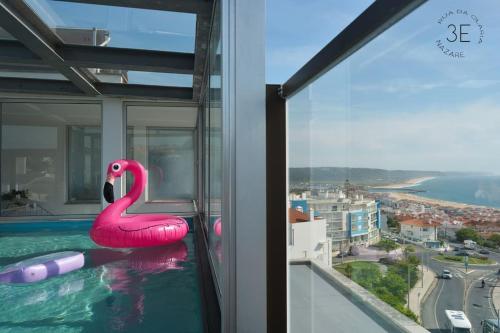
{"x":419,"y":223}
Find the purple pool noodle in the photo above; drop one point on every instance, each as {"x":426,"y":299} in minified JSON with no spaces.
{"x":41,"y":268}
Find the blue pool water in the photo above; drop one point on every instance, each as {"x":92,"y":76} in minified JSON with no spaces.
{"x":142,"y":290}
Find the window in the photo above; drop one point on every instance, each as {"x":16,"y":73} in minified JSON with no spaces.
{"x":162,"y":139}
{"x":170,"y":164}
{"x":46,"y":163}
{"x":84,"y":164}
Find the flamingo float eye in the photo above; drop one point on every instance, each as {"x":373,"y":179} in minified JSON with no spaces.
{"x":116,"y":167}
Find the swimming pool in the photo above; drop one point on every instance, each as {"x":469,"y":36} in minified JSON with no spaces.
{"x":141,"y":290}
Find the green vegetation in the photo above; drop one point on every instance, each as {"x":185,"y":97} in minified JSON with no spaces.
{"x":348,"y":270}
{"x":408,"y":250}
{"x":473,"y":260}
{"x":365,"y":176}
{"x":392,"y":287}
{"x":393,"y":223}
{"x":495,"y":239}
{"x":13,"y":194}
{"x":467,"y":233}
{"x":387,"y":245}
{"x":492,"y":242}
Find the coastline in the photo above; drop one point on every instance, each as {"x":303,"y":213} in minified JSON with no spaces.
{"x":437,"y":202}
{"x":409,"y":183}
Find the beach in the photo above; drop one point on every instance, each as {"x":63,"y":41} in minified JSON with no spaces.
{"x":429,"y":201}
{"x":408,"y":183}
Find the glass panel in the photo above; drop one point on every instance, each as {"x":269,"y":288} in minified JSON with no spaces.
{"x":43,"y":158}
{"x":138,"y":77}
{"x":163,"y":140}
{"x":84,"y":161}
{"x":89,"y":24}
{"x":396,"y":146}
{"x":213,"y":146}
{"x":160,"y":79}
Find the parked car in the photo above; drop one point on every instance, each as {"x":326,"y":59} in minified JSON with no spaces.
{"x":353,"y":251}
{"x":456,"y":248}
{"x":342,"y":254}
{"x":446,"y":274}
{"x":462,"y":253}
{"x":483,"y":251}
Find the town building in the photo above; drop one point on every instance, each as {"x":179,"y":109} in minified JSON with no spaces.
{"x":419,"y":230}
{"x":349,"y":220}
{"x":307,"y":238}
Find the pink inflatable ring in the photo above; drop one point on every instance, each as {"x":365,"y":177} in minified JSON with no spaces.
{"x":111,"y":229}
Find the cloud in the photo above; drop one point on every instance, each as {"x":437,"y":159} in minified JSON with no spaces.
{"x":399,"y":86}
{"x":464,"y":139}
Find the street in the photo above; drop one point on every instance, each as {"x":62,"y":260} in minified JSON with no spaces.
{"x":450,"y":294}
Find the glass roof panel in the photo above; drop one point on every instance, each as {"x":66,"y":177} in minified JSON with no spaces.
{"x":160,"y":79}
{"x":90,"y":24}
{"x":146,"y":78}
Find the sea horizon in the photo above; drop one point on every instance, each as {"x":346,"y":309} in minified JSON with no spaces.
{"x":472,"y":190}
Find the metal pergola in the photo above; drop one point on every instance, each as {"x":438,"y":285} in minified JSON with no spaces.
{"x":39,"y":48}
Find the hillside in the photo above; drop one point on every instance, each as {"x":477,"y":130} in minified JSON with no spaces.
{"x":365,"y":176}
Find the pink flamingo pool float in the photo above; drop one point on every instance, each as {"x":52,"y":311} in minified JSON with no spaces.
{"x":218,"y":227}
{"x":112,"y":229}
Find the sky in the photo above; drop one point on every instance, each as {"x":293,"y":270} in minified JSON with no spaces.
{"x":128,"y":28}
{"x":397,"y":103}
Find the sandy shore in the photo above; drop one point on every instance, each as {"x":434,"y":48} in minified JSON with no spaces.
{"x":408,"y":183}
{"x":429,"y":201}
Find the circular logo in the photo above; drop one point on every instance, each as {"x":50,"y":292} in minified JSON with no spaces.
{"x":462,"y":31}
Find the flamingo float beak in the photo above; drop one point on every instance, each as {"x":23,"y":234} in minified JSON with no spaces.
{"x":108,"y":192}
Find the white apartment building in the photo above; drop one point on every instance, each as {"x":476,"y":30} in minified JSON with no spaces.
{"x":419,"y":230}
{"x":349,"y":221}
{"x":308,"y":238}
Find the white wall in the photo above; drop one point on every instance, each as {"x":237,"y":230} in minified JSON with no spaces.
{"x":308,"y":241}
{"x":417,"y":232}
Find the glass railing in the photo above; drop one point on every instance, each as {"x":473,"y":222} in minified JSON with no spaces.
{"x":401,"y":131}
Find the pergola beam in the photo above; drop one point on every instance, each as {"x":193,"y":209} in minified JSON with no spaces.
{"x":127,"y":59}
{"x":59,"y":87}
{"x":146,"y":91}
{"x":16,"y":25}
{"x":38,"y":86}
{"x":104,"y":57}
{"x":182,"y":6}
{"x":202,"y":41}
{"x":378,"y":17}
{"x":14,"y":52}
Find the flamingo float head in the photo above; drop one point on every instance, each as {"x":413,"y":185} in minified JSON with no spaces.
{"x":115,"y":169}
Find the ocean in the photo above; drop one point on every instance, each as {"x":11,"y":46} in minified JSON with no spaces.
{"x":474,"y":190}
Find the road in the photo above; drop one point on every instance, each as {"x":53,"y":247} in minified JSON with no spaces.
{"x":450,"y":294}
{"x":479,"y":303}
